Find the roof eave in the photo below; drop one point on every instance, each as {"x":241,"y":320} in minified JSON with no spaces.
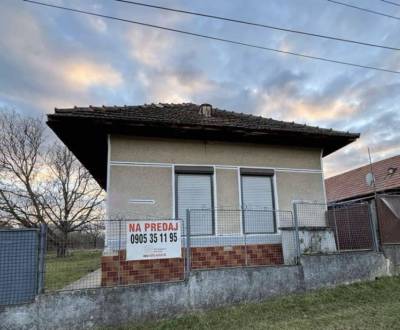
{"x":86,"y":137}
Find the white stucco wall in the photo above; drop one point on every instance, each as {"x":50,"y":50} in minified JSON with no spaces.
{"x":143,"y":169}
{"x":129,"y":149}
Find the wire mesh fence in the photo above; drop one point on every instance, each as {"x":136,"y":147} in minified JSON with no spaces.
{"x":21,"y":265}
{"x":103,"y":257}
{"x":73,"y":260}
{"x":339,"y":228}
{"x":237,"y":238}
{"x":353,"y":226}
{"x":126,"y":252}
{"x":143,"y":251}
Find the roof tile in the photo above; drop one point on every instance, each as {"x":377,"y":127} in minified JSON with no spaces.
{"x":353,"y":184}
{"x":188,"y":114}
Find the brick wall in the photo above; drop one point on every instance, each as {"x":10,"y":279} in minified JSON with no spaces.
{"x":116,"y":270}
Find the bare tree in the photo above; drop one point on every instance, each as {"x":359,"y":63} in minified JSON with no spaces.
{"x":71,"y":199}
{"x":41,"y":183}
{"x":4,"y":223}
{"x":95,"y":231}
{"x":21,"y":147}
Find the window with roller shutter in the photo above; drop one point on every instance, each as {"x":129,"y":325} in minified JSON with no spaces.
{"x":258,"y":204}
{"x":195,"y":191}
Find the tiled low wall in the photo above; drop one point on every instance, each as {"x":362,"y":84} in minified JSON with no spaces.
{"x":116,"y":270}
{"x":242,"y":255}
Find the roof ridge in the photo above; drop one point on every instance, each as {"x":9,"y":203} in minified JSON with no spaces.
{"x":227,"y":118}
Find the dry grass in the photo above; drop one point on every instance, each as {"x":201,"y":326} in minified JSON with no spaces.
{"x":373,"y":305}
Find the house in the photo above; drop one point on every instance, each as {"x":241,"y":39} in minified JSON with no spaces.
{"x":159,"y":160}
{"x":360,"y":185}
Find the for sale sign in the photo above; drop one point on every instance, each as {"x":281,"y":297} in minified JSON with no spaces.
{"x":159,"y":239}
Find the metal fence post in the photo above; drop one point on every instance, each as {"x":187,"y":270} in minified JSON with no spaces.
{"x":119,"y":251}
{"x":336,"y":228}
{"x":373,"y":229}
{"x":41,"y":258}
{"x":245,"y":250}
{"x":245,"y":240}
{"x":297,"y":238}
{"x":188,"y":247}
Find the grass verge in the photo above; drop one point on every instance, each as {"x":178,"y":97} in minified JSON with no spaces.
{"x":63,"y":271}
{"x":372,"y":305}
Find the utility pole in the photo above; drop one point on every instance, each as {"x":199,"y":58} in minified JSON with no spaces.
{"x":372,"y":173}
{"x":376,"y":230}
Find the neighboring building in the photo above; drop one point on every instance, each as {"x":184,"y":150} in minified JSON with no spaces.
{"x":354,"y":184}
{"x":358,"y":186}
{"x":158,"y":160}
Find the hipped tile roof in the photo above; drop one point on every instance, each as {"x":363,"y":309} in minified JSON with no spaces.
{"x":188,"y":114}
{"x":85,"y":130}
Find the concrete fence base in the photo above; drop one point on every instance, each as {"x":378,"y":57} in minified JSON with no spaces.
{"x":205,"y":289}
{"x":392,"y":253}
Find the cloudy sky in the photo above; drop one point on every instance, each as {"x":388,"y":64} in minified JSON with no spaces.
{"x":51,"y":58}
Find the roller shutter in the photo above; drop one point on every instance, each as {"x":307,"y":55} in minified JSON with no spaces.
{"x":258,"y":204}
{"x":194,"y":191}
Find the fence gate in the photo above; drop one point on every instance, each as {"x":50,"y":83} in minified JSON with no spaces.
{"x":353,"y":226}
{"x":21,"y":262}
{"x":388,"y":211}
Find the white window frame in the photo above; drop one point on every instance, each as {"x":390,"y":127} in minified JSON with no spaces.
{"x":195,"y":171}
{"x":272,"y":177}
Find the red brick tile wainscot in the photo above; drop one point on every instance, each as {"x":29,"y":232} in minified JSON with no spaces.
{"x":116,"y":270}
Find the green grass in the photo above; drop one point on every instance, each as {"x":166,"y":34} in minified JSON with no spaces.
{"x":63,"y":271}
{"x":373,"y":305}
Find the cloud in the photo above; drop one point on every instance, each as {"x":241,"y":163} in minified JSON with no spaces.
{"x":303,"y":109}
{"x":86,"y":74}
{"x":164,"y":75}
{"x":98,"y":24}
{"x":149,"y":48}
{"x":41,"y":72}
{"x":50,"y":58}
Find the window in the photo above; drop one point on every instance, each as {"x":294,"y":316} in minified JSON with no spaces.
{"x":194,"y":191}
{"x":258,"y":202}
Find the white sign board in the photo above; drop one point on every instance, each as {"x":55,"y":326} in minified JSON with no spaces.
{"x":151,"y":239}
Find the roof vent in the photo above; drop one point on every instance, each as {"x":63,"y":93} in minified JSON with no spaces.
{"x":205,"y":110}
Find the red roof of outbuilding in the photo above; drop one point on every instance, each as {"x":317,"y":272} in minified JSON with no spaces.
{"x":353,"y":183}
